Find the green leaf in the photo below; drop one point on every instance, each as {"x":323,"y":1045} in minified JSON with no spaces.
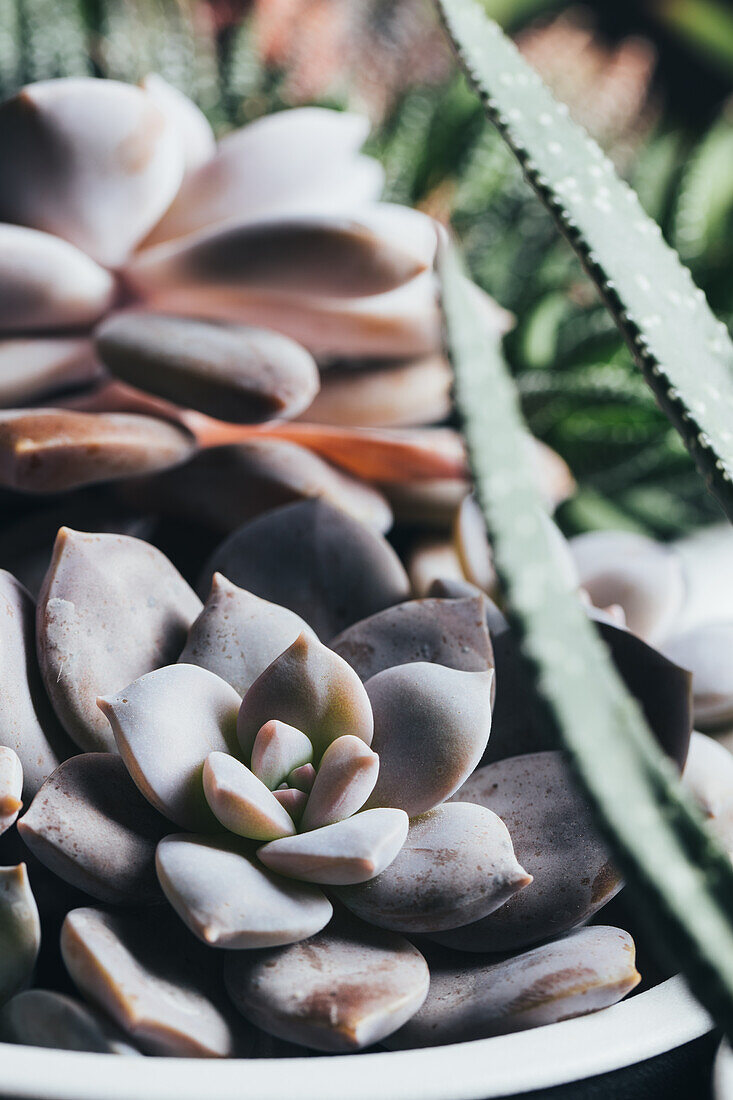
{"x":685,"y":353}
{"x":683,"y":881}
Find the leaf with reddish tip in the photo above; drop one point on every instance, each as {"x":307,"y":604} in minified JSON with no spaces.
{"x":235,"y":373}
{"x":345,"y":852}
{"x":431,"y":726}
{"x":292,"y":800}
{"x":228,"y":900}
{"x":277,"y":751}
{"x":153,"y":979}
{"x":49,"y":450}
{"x":346,"y":989}
{"x":20,"y":930}
{"x":345,"y":778}
{"x":90,"y":825}
{"x":456,"y":865}
{"x":237,"y":635}
{"x":554,"y":839}
{"x":584,"y":972}
{"x":309,"y":687}
{"x":445,"y":632}
{"x":11,"y":788}
{"x":302,"y":778}
{"x":317,"y":561}
{"x":165,"y":725}
{"x":241,"y":802}
{"x":111,"y":608}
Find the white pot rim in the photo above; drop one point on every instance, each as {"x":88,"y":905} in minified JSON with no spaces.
{"x":649,"y":1024}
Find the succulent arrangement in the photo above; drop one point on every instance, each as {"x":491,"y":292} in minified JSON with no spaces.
{"x":326,"y":808}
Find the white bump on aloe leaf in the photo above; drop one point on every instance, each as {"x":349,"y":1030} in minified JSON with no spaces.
{"x":47,"y":283}
{"x":555,"y":841}
{"x":302,"y":778}
{"x":152,"y":978}
{"x":309,"y":687}
{"x":431,"y":727}
{"x":237,"y":635}
{"x":232,"y":372}
{"x":581,"y":973}
{"x":228,"y":900}
{"x":456,"y":865}
{"x":338,"y":256}
{"x":52,"y":450}
{"x":317,"y":561}
{"x":705,"y":652}
{"x":708,"y":776}
{"x":345,"y":778}
{"x":32,"y":368}
{"x":278,"y":750}
{"x":401,"y":323}
{"x":344,"y":990}
{"x":165,"y":725}
{"x":241,"y":802}
{"x":294,"y":160}
{"x":444,"y":632}
{"x":20,"y":930}
{"x":44,"y":1018}
{"x":346,"y":852}
{"x":90,"y":825}
{"x":190,"y":123}
{"x":621,"y":567}
{"x":292,"y":800}
{"x":11,"y":788}
{"x":111,"y":609}
{"x":28,"y":724}
{"x":372,"y":393}
{"x":112,"y":163}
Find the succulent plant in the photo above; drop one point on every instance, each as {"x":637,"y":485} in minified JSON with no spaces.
{"x":293,"y":767}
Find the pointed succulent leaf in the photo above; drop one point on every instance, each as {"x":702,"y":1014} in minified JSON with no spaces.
{"x":241,"y":802}
{"x":111,"y":608}
{"x":11,"y":788}
{"x":151,"y":978}
{"x":165,"y":724}
{"x":704,"y":651}
{"x":309,"y":687}
{"x":293,"y":800}
{"x":456,"y":865}
{"x":584,"y":972}
{"x":556,"y":842}
{"x":49,"y":450}
{"x":344,"y":990}
{"x":208,"y":489}
{"x":302,"y":778}
{"x":317,"y":561}
{"x":237,"y":635}
{"x":235,"y":373}
{"x":444,"y":632}
{"x":662,"y":688}
{"x":190,"y":123}
{"x":90,"y":825}
{"x":278,"y":750}
{"x":20,"y":930}
{"x":345,"y":778}
{"x":651,"y":296}
{"x":345,"y":852}
{"x":431,"y":725}
{"x":706,"y":558}
{"x":228,"y":900}
{"x":644,"y":578}
{"x":46,"y":283}
{"x":94,"y":162}
{"x":44,"y":1018}
{"x":708,"y":776}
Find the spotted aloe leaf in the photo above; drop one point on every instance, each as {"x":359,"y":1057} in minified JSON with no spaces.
{"x":686,"y":355}
{"x":683,"y":880}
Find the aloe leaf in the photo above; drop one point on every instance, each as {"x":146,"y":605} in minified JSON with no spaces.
{"x":684,"y":352}
{"x":683,"y":881}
